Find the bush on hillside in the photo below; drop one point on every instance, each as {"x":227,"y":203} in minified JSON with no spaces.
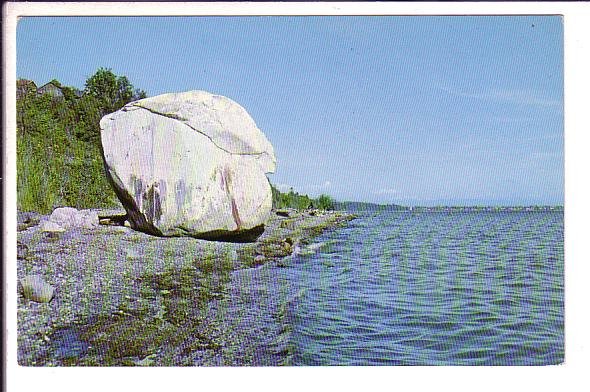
{"x":59,"y":160}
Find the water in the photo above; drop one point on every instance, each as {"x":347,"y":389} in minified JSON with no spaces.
{"x":431,"y":288}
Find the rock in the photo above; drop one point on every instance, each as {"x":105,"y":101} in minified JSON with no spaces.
{"x":51,"y":227}
{"x":21,"y":250}
{"x":283,"y":213}
{"x":35,"y":288}
{"x":259,"y":260}
{"x":189,"y":164}
{"x":68,"y":217}
{"x":27,"y":219}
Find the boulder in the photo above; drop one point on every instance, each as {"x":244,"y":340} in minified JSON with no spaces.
{"x":51,"y":227}
{"x":189,"y":164}
{"x":35,"y":288}
{"x":64,"y":218}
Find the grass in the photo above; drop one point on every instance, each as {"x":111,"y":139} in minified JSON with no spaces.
{"x":51,"y":175}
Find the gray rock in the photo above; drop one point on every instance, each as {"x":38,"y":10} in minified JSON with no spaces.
{"x":21,"y":250}
{"x":35,"y":288}
{"x":27,"y":219}
{"x":68,"y":217}
{"x":259,"y":259}
{"x":190,"y":164}
{"x":51,"y":227}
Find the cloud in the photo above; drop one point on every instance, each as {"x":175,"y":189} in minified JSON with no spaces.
{"x":386,"y":191}
{"x":310,"y":189}
{"x":516,"y":96}
{"x":319,"y":187}
{"x":283,"y":187}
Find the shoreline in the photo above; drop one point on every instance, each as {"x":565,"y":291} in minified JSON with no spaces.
{"x":125,"y":298}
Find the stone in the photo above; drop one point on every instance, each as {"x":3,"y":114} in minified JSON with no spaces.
{"x":68,"y":217}
{"x":51,"y":227}
{"x":27,"y":219}
{"x":21,"y":250}
{"x":35,"y":288}
{"x":259,"y":259}
{"x":189,"y":164}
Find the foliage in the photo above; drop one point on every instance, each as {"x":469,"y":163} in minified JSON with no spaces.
{"x":59,"y":159}
{"x":111,"y":91}
{"x":294,"y":200}
{"x":324,"y":202}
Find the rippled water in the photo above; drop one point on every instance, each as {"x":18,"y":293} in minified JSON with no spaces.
{"x":432,"y":288}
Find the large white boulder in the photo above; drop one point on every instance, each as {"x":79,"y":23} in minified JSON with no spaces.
{"x":189,"y":163}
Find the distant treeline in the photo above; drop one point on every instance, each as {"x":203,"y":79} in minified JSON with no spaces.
{"x":59,"y":159}
{"x":294,"y":200}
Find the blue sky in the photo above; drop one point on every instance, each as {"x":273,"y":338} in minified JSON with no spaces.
{"x":406,"y":110}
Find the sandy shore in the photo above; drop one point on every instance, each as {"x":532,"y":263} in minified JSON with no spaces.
{"x":125,"y":298}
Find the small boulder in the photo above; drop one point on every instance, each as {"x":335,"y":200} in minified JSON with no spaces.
{"x":68,"y":217}
{"x":21,"y":250}
{"x":51,"y":227}
{"x":259,"y":260}
{"x":35,"y":288}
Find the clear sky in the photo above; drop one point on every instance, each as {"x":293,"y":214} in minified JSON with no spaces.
{"x":407,"y":110}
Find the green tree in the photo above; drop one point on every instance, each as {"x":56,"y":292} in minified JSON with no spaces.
{"x":104,"y":93}
{"x":324,"y":202}
{"x":294,"y":200}
{"x":112,"y":91}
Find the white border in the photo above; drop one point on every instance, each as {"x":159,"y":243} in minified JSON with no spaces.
{"x":569,"y":376}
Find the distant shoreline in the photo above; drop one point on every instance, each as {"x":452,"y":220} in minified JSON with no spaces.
{"x":360,"y":206}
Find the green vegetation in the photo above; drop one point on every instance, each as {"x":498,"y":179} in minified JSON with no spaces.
{"x":294,"y":200}
{"x":59,"y":161}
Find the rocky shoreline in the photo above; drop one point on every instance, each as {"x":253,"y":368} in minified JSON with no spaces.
{"x":125,"y":298}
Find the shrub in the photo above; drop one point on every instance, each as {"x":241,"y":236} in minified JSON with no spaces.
{"x":59,"y":159}
{"x":324,"y":202}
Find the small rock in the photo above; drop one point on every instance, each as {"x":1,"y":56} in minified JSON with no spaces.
{"x":68,"y":217}
{"x":258,"y":260}
{"x":131,"y":254}
{"x":51,"y":227}
{"x":27,"y":219}
{"x":36,"y":288}
{"x":52,"y":236}
{"x":147,"y":361}
{"x":288,"y":244}
{"x":21,"y":250}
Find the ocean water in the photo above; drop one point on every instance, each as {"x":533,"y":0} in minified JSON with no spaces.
{"x":431,"y":288}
